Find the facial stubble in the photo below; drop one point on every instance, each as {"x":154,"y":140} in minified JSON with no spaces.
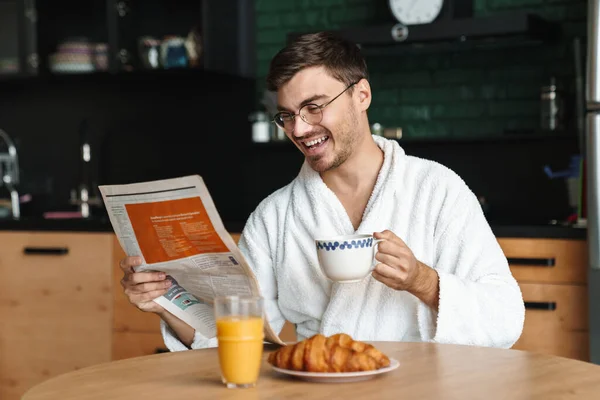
{"x":345,"y":140}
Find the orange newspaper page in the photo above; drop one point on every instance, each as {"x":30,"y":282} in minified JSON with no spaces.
{"x":172,"y":229}
{"x":174,"y":225}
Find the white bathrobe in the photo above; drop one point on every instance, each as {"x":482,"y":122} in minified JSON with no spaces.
{"x":426,"y":205}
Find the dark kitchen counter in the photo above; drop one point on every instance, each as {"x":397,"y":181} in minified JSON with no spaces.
{"x":538,"y":231}
{"x":99,"y":224}
{"x":102,"y":224}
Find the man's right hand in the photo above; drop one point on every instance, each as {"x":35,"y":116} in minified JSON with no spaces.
{"x":142,"y":287}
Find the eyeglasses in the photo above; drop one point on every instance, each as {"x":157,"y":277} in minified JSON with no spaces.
{"x":310,"y":113}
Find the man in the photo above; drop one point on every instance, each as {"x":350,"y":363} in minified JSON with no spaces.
{"x":441,"y":274}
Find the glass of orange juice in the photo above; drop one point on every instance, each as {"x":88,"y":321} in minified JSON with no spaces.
{"x":240,"y":339}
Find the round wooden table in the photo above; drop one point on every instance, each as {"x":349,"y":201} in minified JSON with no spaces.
{"x":427,"y":371}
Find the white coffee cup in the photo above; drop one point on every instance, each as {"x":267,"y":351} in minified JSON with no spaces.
{"x":347,"y":259}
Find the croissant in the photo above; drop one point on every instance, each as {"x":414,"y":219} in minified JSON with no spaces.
{"x":336,"y":353}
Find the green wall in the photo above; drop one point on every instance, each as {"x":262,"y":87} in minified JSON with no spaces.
{"x":436,"y":93}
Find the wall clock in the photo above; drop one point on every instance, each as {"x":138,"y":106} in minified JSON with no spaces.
{"x":415,"y":12}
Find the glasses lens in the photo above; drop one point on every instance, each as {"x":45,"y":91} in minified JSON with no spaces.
{"x":280,"y":119}
{"x":311,"y":114}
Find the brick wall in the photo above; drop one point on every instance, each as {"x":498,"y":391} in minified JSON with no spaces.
{"x":439,"y":94}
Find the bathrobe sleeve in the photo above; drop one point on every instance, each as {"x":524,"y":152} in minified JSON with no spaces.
{"x":174,"y":344}
{"x":480,"y":303}
{"x":255,"y":244}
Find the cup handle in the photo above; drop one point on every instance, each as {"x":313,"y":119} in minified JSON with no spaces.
{"x":375,"y":243}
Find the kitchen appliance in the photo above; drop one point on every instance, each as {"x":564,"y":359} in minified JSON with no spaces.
{"x":592,"y":172}
{"x":572,"y":177}
{"x":85,"y":196}
{"x":551,"y":107}
{"x":261,"y":128}
{"x":9,"y":171}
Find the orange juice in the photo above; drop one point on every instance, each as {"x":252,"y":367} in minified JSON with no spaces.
{"x":240,"y":348}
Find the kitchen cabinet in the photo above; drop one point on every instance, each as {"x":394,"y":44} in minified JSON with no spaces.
{"x":552,"y":276}
{"x":135,"y":333}
{"x":41,"y":38}
{"x":203,"y":27}
{"x":64,"y":36}
{"x":17,"y":38}
{"x":63,"y":308}
{"x":55,"y":306}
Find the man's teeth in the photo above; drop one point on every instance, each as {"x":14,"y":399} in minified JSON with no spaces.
{"x":316,"y":141}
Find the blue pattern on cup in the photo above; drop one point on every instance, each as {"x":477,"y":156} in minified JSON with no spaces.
{"x":345,"y":245}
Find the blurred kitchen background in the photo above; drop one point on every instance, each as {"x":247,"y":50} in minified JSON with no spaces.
{"x":107,"y":92}
{"x":161,"y":88}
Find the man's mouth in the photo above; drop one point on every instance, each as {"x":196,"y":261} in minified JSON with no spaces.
{"x":314,"y":143}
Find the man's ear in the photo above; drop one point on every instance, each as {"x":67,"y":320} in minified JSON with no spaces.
{"x":363,"y":94}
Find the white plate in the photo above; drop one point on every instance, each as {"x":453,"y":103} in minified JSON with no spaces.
{"x":339,"y":377}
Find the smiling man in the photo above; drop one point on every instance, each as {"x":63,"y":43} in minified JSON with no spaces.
{"x":441,"y":275}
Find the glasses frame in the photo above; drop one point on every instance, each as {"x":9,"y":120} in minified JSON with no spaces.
{"x":320,"y":107}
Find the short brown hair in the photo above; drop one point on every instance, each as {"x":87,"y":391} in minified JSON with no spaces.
{"x":342,"y":59}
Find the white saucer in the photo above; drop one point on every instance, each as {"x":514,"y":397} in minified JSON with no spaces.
{"x":339,"y":377}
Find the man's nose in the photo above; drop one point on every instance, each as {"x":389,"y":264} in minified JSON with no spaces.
{"x":301,"y":127}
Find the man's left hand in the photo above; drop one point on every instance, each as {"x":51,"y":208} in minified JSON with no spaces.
{"x":399,"y":269}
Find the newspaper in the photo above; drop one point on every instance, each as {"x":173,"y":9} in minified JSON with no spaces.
{"x":174,"y":226}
